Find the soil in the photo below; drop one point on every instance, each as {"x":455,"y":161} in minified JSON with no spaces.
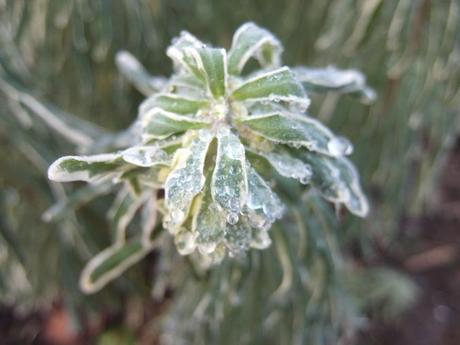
{"x":434,"y":264}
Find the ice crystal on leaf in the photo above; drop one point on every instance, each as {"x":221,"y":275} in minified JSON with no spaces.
{"x":199,"y":134}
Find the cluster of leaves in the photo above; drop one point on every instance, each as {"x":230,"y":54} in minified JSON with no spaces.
{"x":60,"y":52}
{"x":201,"y":142}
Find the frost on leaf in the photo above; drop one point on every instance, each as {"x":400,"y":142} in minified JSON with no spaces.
{"x":288,"y":166}
{"x":229,"y":181}
{"x":168,"y":151}
{"x":238,"y":236}
{"x":214,"y":63}
{"x":183,"y":51}
{"x":111,"y":263}
{"x":186,"y":180}
{"x":85,"y":168}
{"x":173,"y":103}
{"x":278,"y":85}
{"x":149,"y":214}
{"x":145,"y":156}
{"x":160,"y":124}
{"x":132,"y":69}
{"x":263,"y":206}
{"x":252,"y":41}
{"x":104,"y":166}
{"x":208,"y":222}
{"x":338,"y":181}
{"x":287,"y":128}
{"x":333,"y":79}
{"x":123,"y":210}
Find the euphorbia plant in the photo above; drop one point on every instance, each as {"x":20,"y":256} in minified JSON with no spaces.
{"x":208,"y":147}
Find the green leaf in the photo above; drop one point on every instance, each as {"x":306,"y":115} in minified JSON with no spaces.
{"x":252,"y":41}
{"x":238,"y":236}
{"x":186,"y":179}
{"x":160,"y":124}
{"x":264,"y":206}
{"x":111,"y":263}
{"x":123,"y":210}
{"x":76,"y":199}
{"x":183,"y":51}
{"x":146,"y":156}
{"x":229,"y":181}
{"x":173,"y":103}
{"x":275,"y":86}
{"x":85,"y":168}
{"x":208,"y":65}
{"x":214,"y":63}
{"x":149,"y":215}
{"x":208,"y":222}
{"x":357,"y":202}
{"x":288,"y":166}
{"x":332,"y":79}
{"x":108,"y":165}
{"x":132,"y":69}
{"x":287,"y":128}
{"x":338,"y":181}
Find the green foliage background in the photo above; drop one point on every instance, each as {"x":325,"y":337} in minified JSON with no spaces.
{"x":62,"y":54}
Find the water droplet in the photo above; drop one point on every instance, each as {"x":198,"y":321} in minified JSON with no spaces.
{"x":206,"y":248}
{"x":185,"y":242}
{"x":339,"y":146}
{"x":305,"y":179}
{"x":261,"y":240}
{"x":204,"y":134}
{"x":232,"y":218}
{"x":177,"y":216}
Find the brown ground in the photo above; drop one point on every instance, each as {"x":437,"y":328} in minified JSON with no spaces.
{"x":435,"y":266}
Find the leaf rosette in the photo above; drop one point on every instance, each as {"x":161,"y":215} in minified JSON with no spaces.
{"x":199,"y":136}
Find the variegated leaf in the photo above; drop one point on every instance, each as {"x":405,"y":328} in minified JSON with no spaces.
{"x":229,"y":180}
{"x":132,"y":69}
{"x":85,"y":168}
{"x":76,"y":199}
{"x":160,"y":124}
{"x":186,"y":179}
{"x":287,"y":128}
{"x":277,"y":85}
{"x":146,"y":156}
{"x":208,"y":222}
{"x":184,"y":54}
{"x":238,"y":236}
{"x":214,"y":62}
{"x":149,"y":215}
{"x":252,"y":41}
{"x":111,"y":263}
{"x":173,"y":103}
{"x":338,"y":181}
{"x":123,"y":210}
{"x":103,"y":166}
{"x":288,"y":166}
{"x":333,"y":79}
{"x":264,"y":205}
{"x":357,"y":202}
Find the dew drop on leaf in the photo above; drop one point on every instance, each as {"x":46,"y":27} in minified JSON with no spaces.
{"x":232,"y":218}
{"x":177,"y":215}
{"x":340,"y":146}
{"x":185,"y":242}
{"x":207,"y":247}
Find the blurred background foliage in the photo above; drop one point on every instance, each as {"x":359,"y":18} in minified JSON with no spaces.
{"x":57,"y":59}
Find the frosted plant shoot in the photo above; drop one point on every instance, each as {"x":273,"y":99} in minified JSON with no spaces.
{"x":207,"y":142}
